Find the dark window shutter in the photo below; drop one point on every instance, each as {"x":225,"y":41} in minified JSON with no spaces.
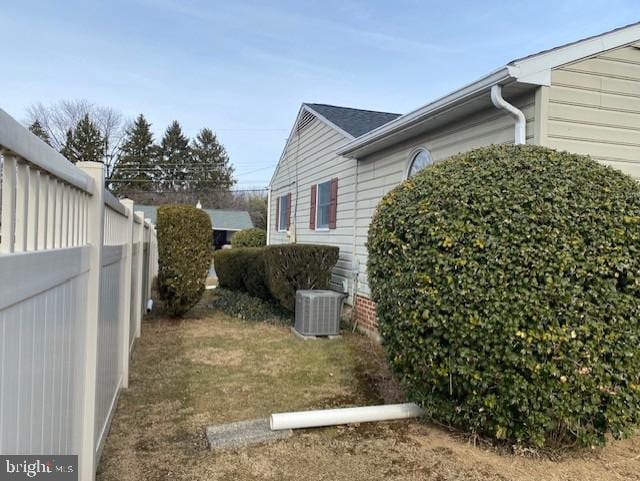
{"x":333,"y":204}
{"x":277,"y":214}
{"x":288,"y":210}
{"x":312,"y":210}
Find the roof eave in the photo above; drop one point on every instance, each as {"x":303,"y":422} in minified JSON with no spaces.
{"x":502,"y":75}
{"x":532,"y":70}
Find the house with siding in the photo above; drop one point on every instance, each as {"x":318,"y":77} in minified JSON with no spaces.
{"x":583,"y":97}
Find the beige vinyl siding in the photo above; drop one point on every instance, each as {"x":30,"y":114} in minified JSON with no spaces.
{"x":594,"y":108}
{"x":312,"y":159}
{"x":382,"y":171}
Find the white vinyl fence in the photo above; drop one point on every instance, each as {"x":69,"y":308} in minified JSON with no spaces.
{"x":76,"y":266}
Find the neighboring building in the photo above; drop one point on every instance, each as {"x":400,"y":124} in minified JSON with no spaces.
{"x":225,"y":223}
{"x":583,"y":97}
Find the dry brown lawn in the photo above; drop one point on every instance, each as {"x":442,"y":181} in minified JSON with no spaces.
{"x":212,"y":369}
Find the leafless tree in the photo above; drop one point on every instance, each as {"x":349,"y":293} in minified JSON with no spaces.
{"x":59,"y":117}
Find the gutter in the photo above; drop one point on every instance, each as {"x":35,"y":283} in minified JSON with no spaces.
{"x":404,"y":122}
{"x":501,"y":104}
{"x":533,"y":70}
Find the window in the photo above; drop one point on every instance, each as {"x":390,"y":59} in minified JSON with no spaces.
{"x":419,"y":160}
{"x":283,"y":212}
{"x":323,"y":204}
{"x":323,"y":210}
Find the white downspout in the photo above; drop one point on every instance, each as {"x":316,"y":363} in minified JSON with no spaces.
{"x":268,"y":214}
{"x":333,"y":417}
{"x":502,"y":104}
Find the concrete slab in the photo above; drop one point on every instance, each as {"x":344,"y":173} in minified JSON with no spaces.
{"x":243,"y":433}
{"x":312,"y":338}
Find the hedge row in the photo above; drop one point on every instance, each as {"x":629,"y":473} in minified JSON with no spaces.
{"x":276,"y":271}
{"x":291,"y":267}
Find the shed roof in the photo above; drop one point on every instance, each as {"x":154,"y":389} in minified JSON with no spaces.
{"x":221,"y":219}
{"x":229,"y":219}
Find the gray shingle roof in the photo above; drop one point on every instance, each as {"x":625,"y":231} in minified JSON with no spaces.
{"x":229,"y":219}
{"x":220,"y":219}
{"x":354,"y":121}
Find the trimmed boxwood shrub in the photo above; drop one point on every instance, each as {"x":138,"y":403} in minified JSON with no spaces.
{"x":507,"y":283}
{"x":229,"y":265}
{"x":184,"y":256}
{"x":249,"y":238}
{"x":291,"y":267}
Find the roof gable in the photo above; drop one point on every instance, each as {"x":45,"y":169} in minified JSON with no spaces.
{"x":355,"y":122}
{"x":345,"y":120}
{"x":536,"y":68}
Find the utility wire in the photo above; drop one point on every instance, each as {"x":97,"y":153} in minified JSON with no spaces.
{"x":164,"y":180}
{"x":195,"y":191}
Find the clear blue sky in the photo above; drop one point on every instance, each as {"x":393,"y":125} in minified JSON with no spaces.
{"x":243,"y":68}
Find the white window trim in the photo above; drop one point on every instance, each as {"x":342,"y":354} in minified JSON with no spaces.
{"x":412,"y":156}
{"x":279,"y":200}
{"x":322,"y":229}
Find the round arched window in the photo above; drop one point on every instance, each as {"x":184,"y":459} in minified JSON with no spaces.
{"x":419,"y":161}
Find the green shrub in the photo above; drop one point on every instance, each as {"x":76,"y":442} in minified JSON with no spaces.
{"x":290,"y":267}
{"x":254,"y":272}
{"x":229,"y":265}
{"x":184,"y":256}
{"x":249,"y":238}
{"x":248,"y":307}
{"x":507,"y":283}
{"x":242,"y":269}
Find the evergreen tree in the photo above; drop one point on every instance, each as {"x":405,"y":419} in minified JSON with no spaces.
{"x":210,"y":168}
{"x":68,"y":149}
{"x":37,"y":129}
{"x":134,"y":169}
{"x":88,"y":143}
{"x":174,"y":159}
{"x":84,"y":143}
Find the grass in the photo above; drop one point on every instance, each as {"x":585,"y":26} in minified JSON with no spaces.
{"x":211,"y":368}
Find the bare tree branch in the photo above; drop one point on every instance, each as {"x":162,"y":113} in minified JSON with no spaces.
{"x":58,"y":118}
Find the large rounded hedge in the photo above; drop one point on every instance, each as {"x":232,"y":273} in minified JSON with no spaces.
{"x":507,"y":283}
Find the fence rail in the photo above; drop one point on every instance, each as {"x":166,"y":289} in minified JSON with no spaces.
{"x":76,"y":266}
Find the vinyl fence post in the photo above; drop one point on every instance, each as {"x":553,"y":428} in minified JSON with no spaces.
{"x":126,"y":295}
{"x":7,"y":230}
{"x":143,"y":302}
{"x":149,"y":235}
{"x":95,"y":234}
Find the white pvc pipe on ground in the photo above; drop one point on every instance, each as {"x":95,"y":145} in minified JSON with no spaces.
{"x":332,"y":417}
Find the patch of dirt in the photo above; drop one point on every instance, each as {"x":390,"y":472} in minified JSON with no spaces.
{"x":373,"y":372}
